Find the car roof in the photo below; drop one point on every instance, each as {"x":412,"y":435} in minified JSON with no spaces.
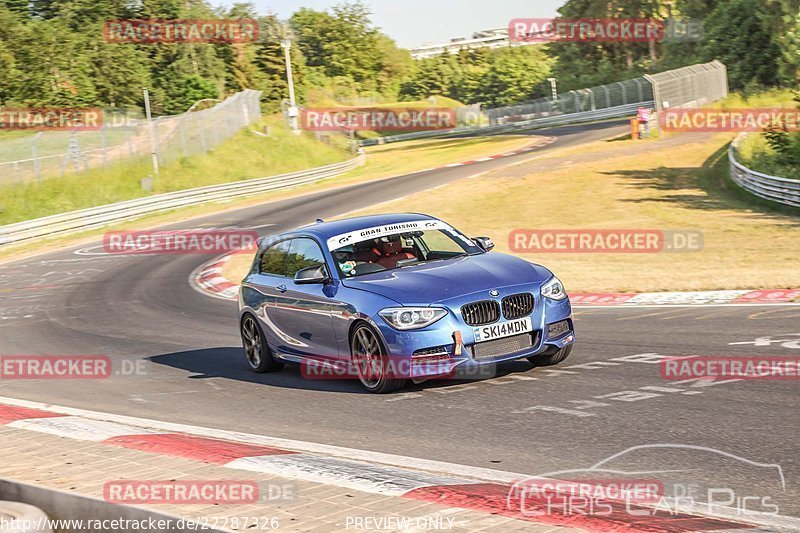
{"x":326,"y":230}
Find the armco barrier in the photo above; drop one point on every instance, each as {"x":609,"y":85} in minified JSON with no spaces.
{"x":84,"y":219}
{"x":545,"y":122}
{"x":772,"y":188}
{"x":65,"y":506}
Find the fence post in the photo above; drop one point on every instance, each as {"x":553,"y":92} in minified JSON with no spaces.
{"x":153,"y":139}
{"x":182,"y":135}
{"x":639,"y":86}
{"x":624,"y":93}
{"x":104,"y":144}
{"x":74,"y":151}
{"x":37,"y":167}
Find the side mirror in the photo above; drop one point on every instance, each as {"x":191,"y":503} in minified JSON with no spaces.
{"x":311,"y":275}
{"x":484,"y":242}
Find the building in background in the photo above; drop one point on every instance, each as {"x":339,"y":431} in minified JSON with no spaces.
{"x":492,"y":38}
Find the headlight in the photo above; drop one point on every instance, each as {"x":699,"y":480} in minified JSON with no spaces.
{"x":412,"y":317}
{"x":554,"y":289}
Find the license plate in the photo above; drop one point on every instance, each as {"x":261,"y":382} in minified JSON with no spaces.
{"x":503,"y":329}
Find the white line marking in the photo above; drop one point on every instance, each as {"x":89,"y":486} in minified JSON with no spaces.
{"x":216,"y":280}
{"x":439,"y":467}
{"x":74,"y":427}
{"x":366,"y":477}
{"x":275,"y":442}
{"x":194,"y":283}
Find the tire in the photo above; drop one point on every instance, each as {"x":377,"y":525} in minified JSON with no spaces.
{"x":370,"y":361}
{"x":551,"y":357}
{"x":256,"y":350}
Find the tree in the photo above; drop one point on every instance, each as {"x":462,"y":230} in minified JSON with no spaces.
{"x":584,"y":64}
{"x":786,"y":145}
{"x":119,"y":73}
{"x":516,"y":75}
{"x":52,"y":66}
{"x":8,"y":66}
{"x":434,"y":76}
{"x":241,"y":70}
{"x":269,"y":61}
{"x":739,"y":33}
{"x":342,"y":42}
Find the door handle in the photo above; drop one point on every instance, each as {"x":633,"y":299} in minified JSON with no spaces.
{"x":282,"y":288}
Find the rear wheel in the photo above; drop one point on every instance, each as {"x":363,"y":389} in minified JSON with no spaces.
{"x":371,"y":361}
{"x":551,"y":357}
{"x":256,"y":351}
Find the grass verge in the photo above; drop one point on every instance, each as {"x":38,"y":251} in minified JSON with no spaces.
{"x":754,"y":151}
{"x":382,"y":161}
{"x":679,"y":182}
{"x":244,"y":156}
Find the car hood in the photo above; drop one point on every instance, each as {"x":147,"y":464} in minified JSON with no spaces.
{"x":434,"y":282}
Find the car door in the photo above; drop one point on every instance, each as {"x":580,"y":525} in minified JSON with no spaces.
{"x":267,"y":280}
{"x":303,"y":312}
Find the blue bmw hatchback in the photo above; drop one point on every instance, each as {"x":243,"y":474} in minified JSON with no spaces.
{"x":391,"y":298}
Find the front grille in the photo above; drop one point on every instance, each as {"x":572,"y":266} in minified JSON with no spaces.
{"x":500,"y":347}
{"x":517,"y":305}
{"x":428,"y":352}
{"x":480,"y":313}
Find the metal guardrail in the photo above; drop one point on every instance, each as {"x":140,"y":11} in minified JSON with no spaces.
{"x":781,"y":190}
{"x":85,"y":219}
{"x":545,"y":122}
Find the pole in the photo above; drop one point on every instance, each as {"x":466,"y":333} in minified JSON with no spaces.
{"x":153,"y":145}
{"x":553,"y":87}
{"x":292,"y":111}
{"x":37,"y":166}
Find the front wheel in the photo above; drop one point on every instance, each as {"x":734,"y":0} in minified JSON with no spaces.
{"x":256,"y":350}
{"x":371,"y":361}
{"x":551,"y":357}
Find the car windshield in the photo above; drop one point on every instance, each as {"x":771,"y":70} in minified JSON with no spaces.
{"x":401,"y":250}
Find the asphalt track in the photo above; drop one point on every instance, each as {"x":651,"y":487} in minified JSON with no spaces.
{"x":606,"y":398}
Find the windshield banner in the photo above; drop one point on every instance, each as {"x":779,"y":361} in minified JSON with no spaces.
{"x":381,"y":231}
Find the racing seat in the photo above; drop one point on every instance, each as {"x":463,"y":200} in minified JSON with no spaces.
{"x":392,"y":253}
{"x":366,"y":252}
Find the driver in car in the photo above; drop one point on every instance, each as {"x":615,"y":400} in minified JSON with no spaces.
{"x":346,"y":262}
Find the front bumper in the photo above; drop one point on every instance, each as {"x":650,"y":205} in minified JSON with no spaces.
{"x":431,"y":351}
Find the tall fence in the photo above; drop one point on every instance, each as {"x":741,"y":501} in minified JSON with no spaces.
{"x":637,"y":90}
{"x":690,"y":87}
{"x":52,"y":153}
